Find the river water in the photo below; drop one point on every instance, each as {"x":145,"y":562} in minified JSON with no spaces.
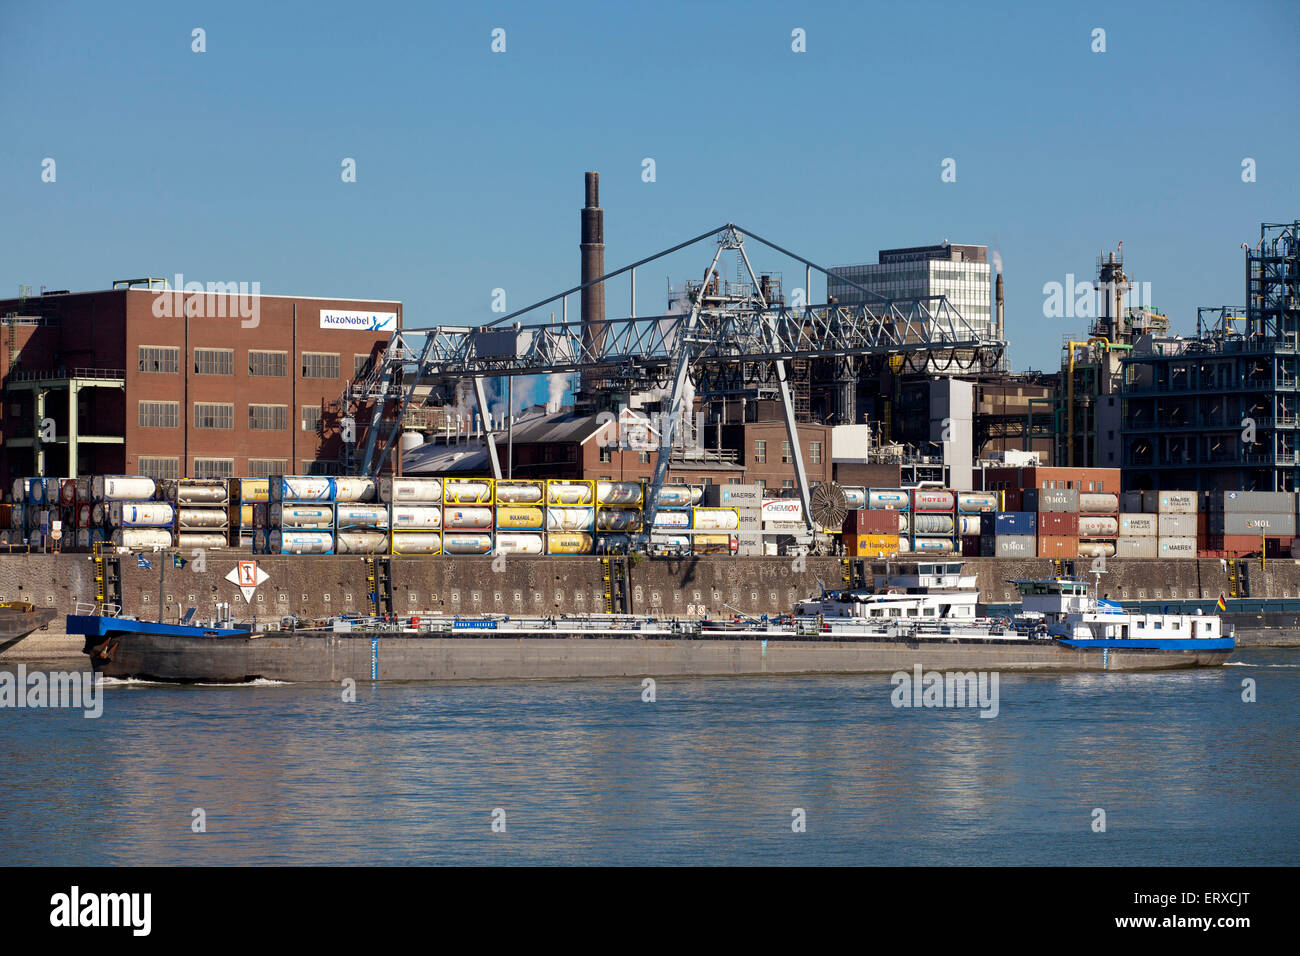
{"x":713,"y":771}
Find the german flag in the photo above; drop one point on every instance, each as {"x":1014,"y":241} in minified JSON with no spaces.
{"x":1222,"y":604}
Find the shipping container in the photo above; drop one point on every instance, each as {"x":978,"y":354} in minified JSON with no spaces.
{"x":714,"y":544}
{"x":1138,"y":525}
{"x":1058,"y":524}
{"x":1008,"y":546}
{"x":668,"y":518}
{"x":620,"y":493}
{"x":1176,"y":547}
{"x":1172,"y":524}
{"x":197,"y":491}
{"x":1098,"y":503}
{"x":200,"y":519}
{"x":969,"y":526}
{"x":619,"y":519}
{"x":1009,"y":523}
{"x":300,"y":488}
{"x":121,"y":488}
{"x":1096,"y":549}
{"x":252,"y":489}
{"x":923,"y":524}
{"x":871,"y":545}
{"x":782,"y":509}
{"x":1051,"y":499}
{"x":460,"y":542}
{"x":1136,"y":547}
{"x":302,"y":516}
{"x":356,"y":489}
{"x":1131,"y":502}
{"x":970,"y":545}
{"x":141,"y":514}
{"x":571,"y":519}
{"x":361,"y":542}
{"x":678,"y":496}
{"x":357,"y":516}
{"x":293,"y":541}
{"x":855,"y":497}
{"x":715,"y":519}
{"x":1057,"y":546}
{"x":1253,"y":502}
{"x":1169,"y":502}
{"x":1242,"y":523}
{"x":733,"y":496}
{"x":933,"y":545}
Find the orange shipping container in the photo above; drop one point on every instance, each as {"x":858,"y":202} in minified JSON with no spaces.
{"x":870,"y":545}
{"x":1057,"y":546}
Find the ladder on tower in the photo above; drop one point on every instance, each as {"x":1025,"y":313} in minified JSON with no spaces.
{"x":379,"y":582}
{"x":108,"y":575}
{"x":618,"y":584}
{"x":607,"y":578}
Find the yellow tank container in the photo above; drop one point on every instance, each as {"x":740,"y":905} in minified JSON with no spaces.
{"x":517,"y":518}
{"x":569,"y":542}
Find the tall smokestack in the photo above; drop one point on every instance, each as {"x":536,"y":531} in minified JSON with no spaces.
{"x":593,"y":267}
{"x":999,"y":330}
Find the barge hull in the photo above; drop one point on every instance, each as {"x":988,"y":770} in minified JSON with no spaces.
{"x":366,"y":658}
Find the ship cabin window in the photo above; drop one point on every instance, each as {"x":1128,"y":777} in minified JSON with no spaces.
{"x":928,"y":612}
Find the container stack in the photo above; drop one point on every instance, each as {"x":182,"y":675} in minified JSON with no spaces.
{"x":126,"y":509}
{"x":747,"y":502}
{"x":933,"y":524}
{"x":971,"y":508}
{"x":202,"y":511}
{"x":1138,"y":530}
{"x":1099,"y":524}
{"x":1056,"y":518}
{"x":246,"y":495}
{"x":467,"y":516}
{"x":619,"y":515}
{"x":672,"y":527}
{"x":871,"y":534}
{"x":520,"y":517}
{"x":570,"y":517}
{"x":299,"y":516}
{"x":782,"y":519}
{"x":414,"y":514}
{"x":1009,"y":534}
{"x":360,"y":519}
{"x":1240,"y":523}
{"x":715,"y":530}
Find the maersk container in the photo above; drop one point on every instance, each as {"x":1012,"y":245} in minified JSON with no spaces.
{"x":929,"y":524}
{"x":1169,"y":502}
{"x":1096,"y":549}
{"x":122,"y":488}
{"x":569,"y":543}
{"x":416,"y":518}
{"x":460,"y":542}
{"x":515,"y":543}
{"x":141,"y":538}
{"x":200,"y":519}
{"x":1051,"y":499}
{"x":889,"y":499}
{"x":715,"y":519}
{"x":141,"y":514}
{"x":572,"y":493}
{"x":1014,"y":523}
{"x":519,"y":518}
{"x":300,"y":517}
{"x":856,"y":498}
{"x":466,"y":519}
{"x":200,"y":539}
{"x":1138,"y":525}
{"x":424,"y":542}
{"x":361,"y":542}
{"x":461,"y":492}
{"x":1143,"y":546}
{"x":1099,"y":526}
{"x":410,"y":490}
{"x":733,"y":496}
{"x":297,"y":541}
{"x":300,"y":488}
{"x":1098,"y":503}
{"x":1176,"y":547}
{"x":1175,"y":525}
{"x":977,"y":502}
{"x":512,"y":492}
{"x":933,"y":499}
{"x":354,"y":489}
{"x":969,"y":525}
{"x":196,"y":491}
{"x":357,"y":516}
{"x":570,"y":519}
{"x":676,"y":496}
{"x":619,"y":492}
{"x":931,"y":545}
{"x":618,"y":519}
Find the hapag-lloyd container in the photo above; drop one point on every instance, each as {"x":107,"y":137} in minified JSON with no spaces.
{"x":1100,"y":526}
{"x":933,"y":499}
{"x":1051,"y":499}
{"x":1008,"y":546}
{"x":1138,"y":525}
{"x":870,"y":545}
{"x":1173,"y":524}
{"x":1098,"y":503}
{"x":889,"y":499}
{"x":1136,"y":547}
{"x":1176,"y":547}
{"x":1057,"y":546}
{"x":1015,"y":523}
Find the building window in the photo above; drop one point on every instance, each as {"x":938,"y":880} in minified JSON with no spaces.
{"x":160,"y":414}
{"x":312,"y":467}
{"x":760,"y":451}
{"x":606,"y":455}
{"x":706,"y":481}
{"x":268,"y":418}
{"x":214,"y":415}
{"x":160,"y":358}
{"x":214,"y":361}
{"x":311,"y":418}
{"x":360,"y":365}
{"x":643,"y":457}
{"x":160,"y":467}
{"x":733,"y":481}
{"x":214,"y":467}
{"x":761,"y":483}
{"x":787,"y":483}
{"x":815,"y":452}
{"x":320,"y":365}
{"x":267,"y":364}
{"x":786,"y":457}
{"x":266,"y":467}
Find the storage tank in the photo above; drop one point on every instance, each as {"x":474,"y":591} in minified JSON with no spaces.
{"x":517,"y":518}
{"x":672,"y":519}
{"x":459,"y":542}
{"x":301,"y":488}
{"x":141,"y":514}
{"x":122,"y":488}
{"x":676,"y":496}
{"x":295,"y":541}
{"x":198,"y":519}
{"x":923,"y":545}
{"x":1098,"y":503}
{"x":355,"y":489}
{"x":511,"y":492}
{"x":856,"y":497}
{"x":302,"y":516}
{"x":1096,"y":549}
{"x":418,"y":542}
{"x":889,"y":499}
{"x":569,"y":543}
{"x":254,"y":489}
{"x":361,"y":542}
{"x":350,"y":516}
{"x":618,"y":519}
{"x":406,"y":490}
{"x":1099,"y":526}
{"x":515,"y":543}
{"x":466,"y":519}
{"x":197,"y":491}
{"x":715,"y":519}
{"x":570,"y":519}
{"x":201,"y":539}
{"x":933,"y":499}
{"x":141,"y":538}
{"x":931,"y":524}
{"x":416,"y":517}
{"x":462,"y":492}
{"x":977,"y":502}
{"x":570,"y":493}
{"x":619,"y":492}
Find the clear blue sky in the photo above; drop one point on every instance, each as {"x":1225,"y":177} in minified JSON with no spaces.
{"x":225,"y":165}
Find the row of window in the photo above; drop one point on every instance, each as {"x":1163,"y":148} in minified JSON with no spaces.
{"x":262,"y":363}
{"x":760,"y":451}
{"x":163,"y":467}
{"x":220,"y":416}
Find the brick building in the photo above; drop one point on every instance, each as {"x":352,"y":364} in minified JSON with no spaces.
{"x":178,"y":384}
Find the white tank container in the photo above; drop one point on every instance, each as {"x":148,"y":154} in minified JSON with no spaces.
{"x":141,"y":538}
{"x":515,"y":543}
{"x":856,"y":498}
{"x":416,"y":517}
{"x":302,"y":488}
{"x":618,"y":519}
{"x":520,"y":492}
{"x":665,"y":518}
{"x":355,"y":489}
{"x":406,"y":490}
{"x":1098,"y":526}
{"x":122,"y":488}
{"x":933,"y":499}
{"x":350,"y":516}
{"x":923,"y":523}
{"x":301,"y":517}
{"x":200,"y":539}
{"x":460,"y":542}
{"x":570,"y":493}
{"x":18,"y":489}
{"x":198,"y":519}
{"x":931,"y":545}
{"x":417,"y":542}
{"x":675,"y":496}
{"x":715,"y":519}
{"x":1098,"y":503}
{"x":970,"y":524}
{"x":141,"y":514}
{"x":1096,"y":549}
{"x":618,"y":492}
{"x":570,"y":519}
{"x":197,"y":492}
{"x":466,"y":519}
{"x":295,"y":541}
{"x":889,"y":499}
{"x":466,"y":492}
{"x":975,"y":502}
{"x":360,"y":542}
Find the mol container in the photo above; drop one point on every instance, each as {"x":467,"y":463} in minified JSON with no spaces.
{"x":1138,"y":525}
{"x":714,"y":544}
{"x":197,"y":491}
{"x":519,"y":518}
{"x":122,"y":488}
{"x":573,"y":519}
{"x":619,"y":493}
{"x":407,"y":490}
{"x":618,"y":519}
{"x":200,"y":519}
{"x":297,"y":541}
{"x":464,"y":542}
{"x":573,"y":493}
{"x":416,"y":518}
{"x":361,"y":542}
{"x":515,"y":543}
{"x":421,"y":542}
{"x":1098,"y":503}
{"x":356,"y":489}
{"x":933,"y":499}
{"x":1096,"y":549}
{"x":977,"y":502}
{"x":1099,"y":526}
{"x":1136,"y":547}
{"x":569,"y":543}
{"x":715,"y":519}
{"x":462,"y":492}
{"x":300,"y":488}
{"x":301,"y":517}
{"x":1008,"y":545}
{"x":931,"y":524}
{"x":1176,"y":525}
{"x":466,"y":519}
{"x":1051,"y":499}
{"x":1277,"y":525}
{"x":357,"y":516}
{"x":201,"y":539}
{"x":889,"y":499}
{"x":141,"y":514}
{"x":141,"y":538}
{"x":1176,"y":547}
{"x":519,"y":492}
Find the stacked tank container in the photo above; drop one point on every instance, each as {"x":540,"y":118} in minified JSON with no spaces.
{"x":871,"y":533}
{"x":570,"y":517}
{"x":747,"y":502}
{"x":360,"y":518}
{"x":299,"y":517}
{"x":247,"y":494}
{"x":714,"y":530}
{"x":1098,"y":524}
{"x":520,"y":517}
{"x":202,"y":511}
{"x":619,"y":514}
{"x":1057,"y":519}
{"x":414,"y":514}
{"x":128,"y":509}
{"x":971,"y":508}
{"x":467,"y":516}
{"x":672,"y":527}
{"x":933,"y":525}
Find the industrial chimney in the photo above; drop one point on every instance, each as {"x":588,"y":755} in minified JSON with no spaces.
{"x":593,"y":267}
{"x":999,"y":330}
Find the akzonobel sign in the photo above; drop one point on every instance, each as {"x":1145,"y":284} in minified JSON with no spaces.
{"x":358,"y":321}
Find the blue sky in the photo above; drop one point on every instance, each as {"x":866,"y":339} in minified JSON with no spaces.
{"x":225,"y":165}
